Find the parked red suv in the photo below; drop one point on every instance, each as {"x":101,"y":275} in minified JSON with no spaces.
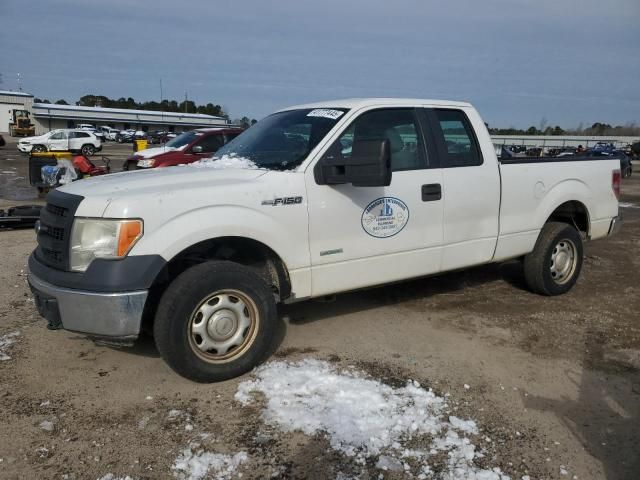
{"x":188,"y":147}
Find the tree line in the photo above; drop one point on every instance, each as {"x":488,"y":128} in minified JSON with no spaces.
{"x":185,"y":106}
{"x":596,"y":129}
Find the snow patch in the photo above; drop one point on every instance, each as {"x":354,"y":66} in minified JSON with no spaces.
{"x":198,"y":464}
{"x":364,"y":418}
{"x":46,"y":425}
{"x":5,"y":342}
{"x":224,"y":162}
{"x":111,"y":476}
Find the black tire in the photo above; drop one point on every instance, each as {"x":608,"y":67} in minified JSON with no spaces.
{"x":88,"y":150}
{"x":38,"y":149}
{"x":542,"y":274}
{"x":179,"y":312}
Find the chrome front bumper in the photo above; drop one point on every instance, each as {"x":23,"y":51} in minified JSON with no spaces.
{"x":616,"y":225}
{"x":116,"y":316}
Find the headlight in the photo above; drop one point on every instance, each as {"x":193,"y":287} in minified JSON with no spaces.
{"x":97,"y":238}
{"x":146,"y":163}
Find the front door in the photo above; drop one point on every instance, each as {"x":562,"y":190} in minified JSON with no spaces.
{"x":362,"y":236}
{"x":58,"y":141}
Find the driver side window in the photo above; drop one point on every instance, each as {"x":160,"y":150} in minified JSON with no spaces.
{"x":59,"y":136}
{"x":398,"y":125}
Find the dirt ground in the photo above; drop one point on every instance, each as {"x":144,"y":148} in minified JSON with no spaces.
{"x":554,"y":381}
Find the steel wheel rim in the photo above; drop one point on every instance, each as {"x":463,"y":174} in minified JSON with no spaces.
{"x":564,"y":260}
{"x":223,"y":326}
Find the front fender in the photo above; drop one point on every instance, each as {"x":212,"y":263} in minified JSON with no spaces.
{"x":285,"y":233}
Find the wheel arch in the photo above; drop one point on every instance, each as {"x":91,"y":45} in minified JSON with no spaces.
{"x":240,"y":249}
{"x":572,"y":212}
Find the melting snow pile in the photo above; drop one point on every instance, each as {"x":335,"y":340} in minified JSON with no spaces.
{"x":364,"y":418}
{"x":5,"y":342}
{"x":198,"y":464}
{"x":224,"y":162}
{"x":111,"y":476}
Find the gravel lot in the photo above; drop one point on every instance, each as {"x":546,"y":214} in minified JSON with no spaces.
{"x":553,"y":384}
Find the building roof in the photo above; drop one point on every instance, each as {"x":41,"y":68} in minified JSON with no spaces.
{"x":125,"y":111}
{"x":365,"y":102}
{"x":15,"y":94}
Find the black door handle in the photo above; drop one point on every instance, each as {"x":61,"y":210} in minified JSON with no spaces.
{"x":431,"y":192}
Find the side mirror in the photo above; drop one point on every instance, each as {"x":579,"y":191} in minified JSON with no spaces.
{"x":368,"y":166}
{"x":196,"y":149}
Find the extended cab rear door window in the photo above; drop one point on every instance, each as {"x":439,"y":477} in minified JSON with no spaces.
{"x":398,"y":125}
{"x":455,"y":138}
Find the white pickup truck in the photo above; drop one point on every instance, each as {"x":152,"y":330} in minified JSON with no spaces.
{"x":313,"y":200}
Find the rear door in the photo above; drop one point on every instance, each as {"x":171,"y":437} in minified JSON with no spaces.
{"x":471,"y":189}
{"x":362,"y":236}
{"x":78,"y":139}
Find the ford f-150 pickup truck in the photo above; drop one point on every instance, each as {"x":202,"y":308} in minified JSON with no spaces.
{"x":312,"y":200}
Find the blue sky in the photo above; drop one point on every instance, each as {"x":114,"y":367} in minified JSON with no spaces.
{"x":518,"y":61}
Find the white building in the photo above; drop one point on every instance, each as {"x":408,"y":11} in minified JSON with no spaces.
{"x":10,"y":101}
{"x":48,"y":116}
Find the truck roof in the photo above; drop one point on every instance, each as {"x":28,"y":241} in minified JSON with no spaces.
{"x":366,"y":102}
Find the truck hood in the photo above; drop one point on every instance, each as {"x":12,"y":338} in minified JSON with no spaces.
{"x":153,"y":152}
{"x":159,"y":181}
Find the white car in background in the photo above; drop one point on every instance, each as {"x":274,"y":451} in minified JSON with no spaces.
{"x":73,"y":140}
{"x":109,"y":133}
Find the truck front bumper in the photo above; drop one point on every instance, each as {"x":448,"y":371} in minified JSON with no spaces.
{"x":24,"y":147}
{"x":114,"y":317}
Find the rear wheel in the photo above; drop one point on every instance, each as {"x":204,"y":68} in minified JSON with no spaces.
{"x":88,"y":150}
{"x":555,"y":263}
{"x":215,"y":321}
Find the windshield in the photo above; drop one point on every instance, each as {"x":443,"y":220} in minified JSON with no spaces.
{"x":283,"y":140}
{"x":183,"y":139}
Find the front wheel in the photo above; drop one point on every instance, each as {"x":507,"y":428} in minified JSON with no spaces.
{"x":38,"y":149}
{"x":215,"y":321}
{"x":555,"y":263}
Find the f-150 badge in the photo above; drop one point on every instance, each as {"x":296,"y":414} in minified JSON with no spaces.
{"x":283,"y":201}
{"x":385,"y":217}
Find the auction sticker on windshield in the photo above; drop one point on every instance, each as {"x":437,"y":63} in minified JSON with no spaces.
{"x":385,"y":217}
{"x":325,"y":113}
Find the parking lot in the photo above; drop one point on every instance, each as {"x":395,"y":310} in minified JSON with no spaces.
{"x":553,"y":383}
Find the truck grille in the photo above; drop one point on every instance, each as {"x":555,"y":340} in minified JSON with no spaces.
{"x":54,"y":234}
